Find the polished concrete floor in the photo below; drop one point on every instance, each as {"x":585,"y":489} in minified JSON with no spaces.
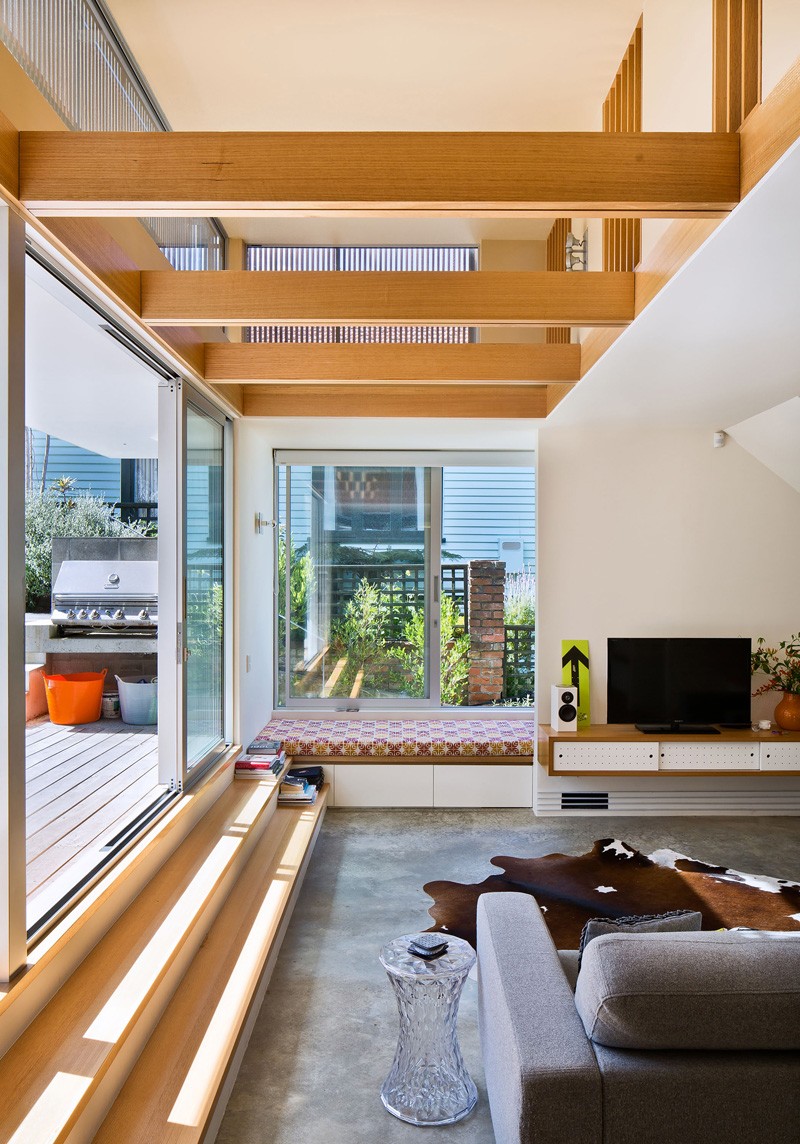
{"x":324,"y":1039}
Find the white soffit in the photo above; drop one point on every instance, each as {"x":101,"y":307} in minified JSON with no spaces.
{"x":719,"y":343}
{"x":773,"y":437}
{"x":379,"y":65}
{"x":80,"y":385}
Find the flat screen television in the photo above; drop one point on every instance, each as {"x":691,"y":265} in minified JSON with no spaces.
{"x":666,"y":683}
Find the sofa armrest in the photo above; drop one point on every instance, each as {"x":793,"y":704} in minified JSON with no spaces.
{"x":541,"y":1072}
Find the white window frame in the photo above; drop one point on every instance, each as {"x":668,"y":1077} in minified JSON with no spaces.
{"x":14,"y":941}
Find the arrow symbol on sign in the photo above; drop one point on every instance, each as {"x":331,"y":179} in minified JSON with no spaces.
{"x":574,"y":657}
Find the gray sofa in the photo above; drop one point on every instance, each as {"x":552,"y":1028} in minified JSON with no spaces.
{"x":702,"y":1034}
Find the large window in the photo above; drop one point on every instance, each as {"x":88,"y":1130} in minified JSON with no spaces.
{"x":405,"y":583}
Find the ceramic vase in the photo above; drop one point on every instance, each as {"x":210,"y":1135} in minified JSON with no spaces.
{"x":787,"y":713}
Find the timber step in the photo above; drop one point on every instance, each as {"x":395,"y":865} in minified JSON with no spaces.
{"x":61,"y":1076}
{"x":177,"y":1091}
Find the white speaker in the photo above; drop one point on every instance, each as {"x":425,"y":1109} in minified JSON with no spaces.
{"x":563,"y":708}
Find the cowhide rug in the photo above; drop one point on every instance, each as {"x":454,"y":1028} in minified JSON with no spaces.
{"x":615,"y":880}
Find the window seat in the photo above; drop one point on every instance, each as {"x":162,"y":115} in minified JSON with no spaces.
{"x":415,"y":762}
{"x":407,"y":738}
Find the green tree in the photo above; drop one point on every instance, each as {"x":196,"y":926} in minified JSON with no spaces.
{"x":301,"y":584}
{"x":55,"y":513}
{"x":454,"y":651}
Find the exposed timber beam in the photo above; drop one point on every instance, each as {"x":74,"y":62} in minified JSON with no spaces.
{"x":657,"y":174}
{"x":9,"y":156}
{"x":395,"y":401}
{"x":250,"y":362}
{"x":770,"y":129}
{"x":483,"y":298}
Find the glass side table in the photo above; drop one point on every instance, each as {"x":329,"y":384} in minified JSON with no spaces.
{"x":428,"y":1082}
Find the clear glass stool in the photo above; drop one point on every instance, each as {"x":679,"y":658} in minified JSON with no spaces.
{"x":428,"y":1082}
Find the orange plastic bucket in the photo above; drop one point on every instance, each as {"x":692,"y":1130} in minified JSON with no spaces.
{"x":74,"y":699}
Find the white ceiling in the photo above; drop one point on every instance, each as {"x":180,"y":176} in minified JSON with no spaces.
{"x":81,"y":385}
{"x":379,"y":65}
{"x":719,"y":344}
{"x":387,"y":231}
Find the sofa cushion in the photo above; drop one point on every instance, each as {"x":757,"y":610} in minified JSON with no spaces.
{"x":673,"y":922}
{"x":569,"y":960}
{"x":734,"y":990}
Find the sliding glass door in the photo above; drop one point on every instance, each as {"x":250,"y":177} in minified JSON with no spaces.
{"x":204,"y":536}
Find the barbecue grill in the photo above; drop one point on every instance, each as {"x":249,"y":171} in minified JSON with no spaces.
{"x":115,"y":595}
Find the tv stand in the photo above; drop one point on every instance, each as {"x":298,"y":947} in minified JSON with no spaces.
{"x":677,"y":727}
{"x":622,"y":749}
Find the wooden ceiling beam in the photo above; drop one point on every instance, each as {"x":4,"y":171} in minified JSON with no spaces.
{"x":658,"y":174}
{"x":250,"y":362}
{"x":483,"y":298}
{"x":395,"y":401}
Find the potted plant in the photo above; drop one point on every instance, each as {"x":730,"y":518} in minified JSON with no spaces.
{"x":782,"y":665}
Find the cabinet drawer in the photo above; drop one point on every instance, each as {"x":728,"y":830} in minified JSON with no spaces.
{"x":780,"y":756}
{"x":493,"y":785}
{"x":386,"y":784}
{"x":709,"y":757}
{"x":580,"y":757}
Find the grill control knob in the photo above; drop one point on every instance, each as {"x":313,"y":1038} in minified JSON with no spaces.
{"x":119,"y":614}
{"x":70,"y":614}
{"x":94,"y":614}
{"x":82,"y":614}
{"x":144,"y":614}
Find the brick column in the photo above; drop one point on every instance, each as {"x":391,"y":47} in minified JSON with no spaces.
{"x":487,"y":637}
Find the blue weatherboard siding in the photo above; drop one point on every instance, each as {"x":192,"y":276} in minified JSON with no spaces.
{"x":94,"y":474}
{"x":481,"y":507}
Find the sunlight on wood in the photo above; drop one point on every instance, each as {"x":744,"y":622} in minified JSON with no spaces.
{"x":62,"y":1096}
{"x":120,"y":1009}
{"x":211,"y":1058}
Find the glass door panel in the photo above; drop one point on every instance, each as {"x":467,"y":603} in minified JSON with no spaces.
{"x":353,"y":560}
{"x":204,"y":635}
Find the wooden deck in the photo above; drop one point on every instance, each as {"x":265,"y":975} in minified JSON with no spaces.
{"x":83,"y":785}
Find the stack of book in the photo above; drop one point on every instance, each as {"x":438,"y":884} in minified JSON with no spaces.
{"x":261,"y":760}
{"x":301,"y":786}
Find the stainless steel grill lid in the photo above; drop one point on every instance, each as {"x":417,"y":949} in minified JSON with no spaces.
{"x":118,"y":579}
{"x":100,"y":593}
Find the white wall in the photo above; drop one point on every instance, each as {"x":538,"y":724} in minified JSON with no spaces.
{"x":780,"y":40}
{"x":654,"y":532}
{"x":677,"y":76}
{"x":256,"y":438}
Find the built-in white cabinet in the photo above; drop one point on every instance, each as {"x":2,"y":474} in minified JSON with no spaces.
{"x":780,"y":756}
{"x":415,"y":784}
{"x":494,"y":785}
{"x":578,"y":757}
{"x":705,"y":756}
{"x":618,"y":749}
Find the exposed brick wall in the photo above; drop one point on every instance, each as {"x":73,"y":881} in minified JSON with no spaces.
{"x":487,"y":636}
